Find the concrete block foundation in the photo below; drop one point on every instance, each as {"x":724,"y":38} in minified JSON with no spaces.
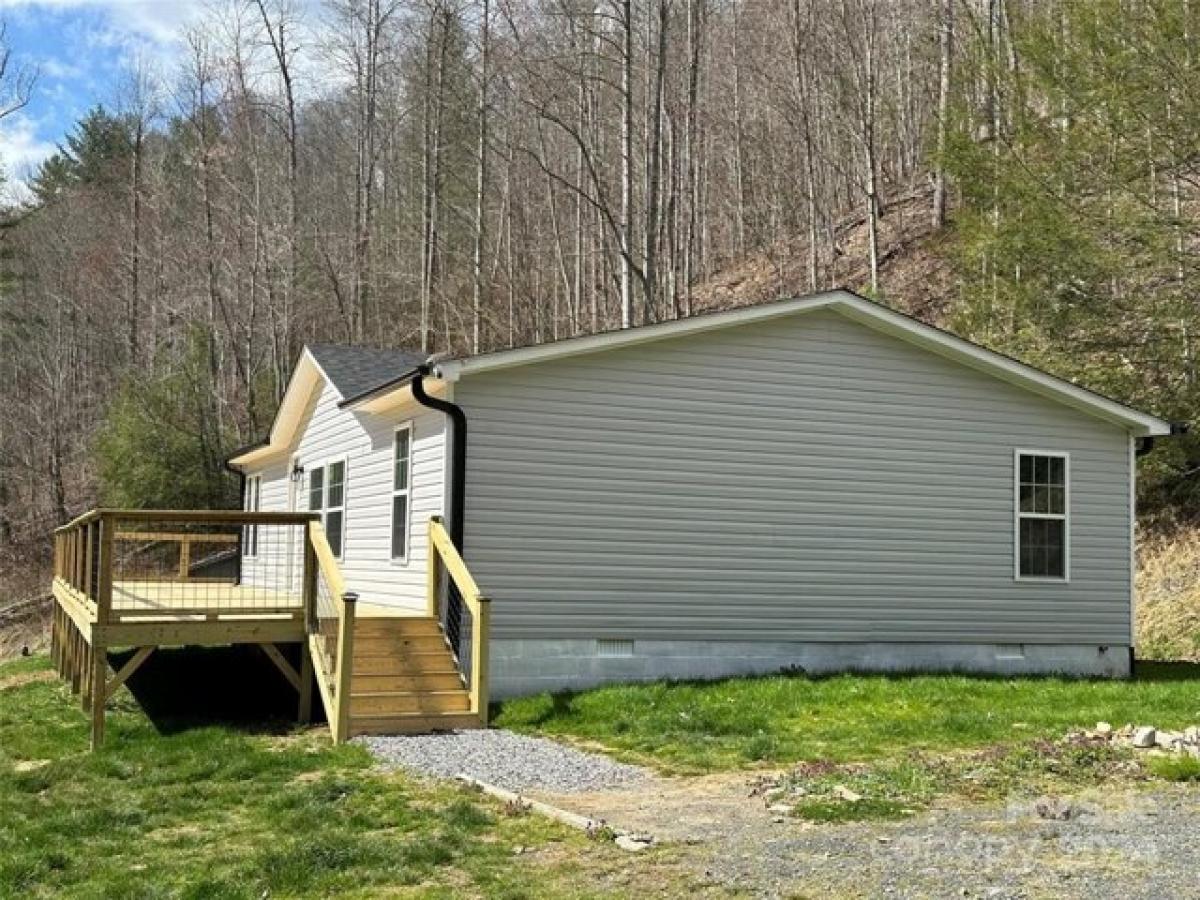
{"x":520,"y":667}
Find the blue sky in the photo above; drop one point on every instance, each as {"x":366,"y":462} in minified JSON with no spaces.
{"x":83,"y":50}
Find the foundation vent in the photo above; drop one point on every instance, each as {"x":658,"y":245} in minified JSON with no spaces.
{"x":1010,"y":652}
{"x":613,"y":649}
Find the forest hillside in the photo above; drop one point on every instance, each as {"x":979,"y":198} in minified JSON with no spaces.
{"x":462,"y":175}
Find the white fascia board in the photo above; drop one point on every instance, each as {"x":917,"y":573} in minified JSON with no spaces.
{"x":307,"y":375}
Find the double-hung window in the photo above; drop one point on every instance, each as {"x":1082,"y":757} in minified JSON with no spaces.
{"x":401,"y":490}
{"x":252,"y":500}
{"x":1042,"y":515}
{"x":327,"y":495}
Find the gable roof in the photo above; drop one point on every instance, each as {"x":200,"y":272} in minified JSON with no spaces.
{"x":364,"y":377}
{"x":354,"y":371}
{"x":852,"y":306}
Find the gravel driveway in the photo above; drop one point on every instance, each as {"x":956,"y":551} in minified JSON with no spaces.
{"x":1125,"y":841}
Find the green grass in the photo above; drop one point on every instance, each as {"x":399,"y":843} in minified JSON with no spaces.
{"x":689,"y":727}
{"x":216,"y":812}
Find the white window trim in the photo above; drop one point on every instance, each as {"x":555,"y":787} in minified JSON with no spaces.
{"x":1065,"y":517}
{"x":324,"y":465}
{"x":253,"y":489}
{"x":408,"y":492}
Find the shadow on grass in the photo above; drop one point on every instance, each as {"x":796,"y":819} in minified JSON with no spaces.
{"x":1154,"y":670}
{"x":191,"y":687}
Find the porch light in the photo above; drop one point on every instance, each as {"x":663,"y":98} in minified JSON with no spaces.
{"x":297,"y":472}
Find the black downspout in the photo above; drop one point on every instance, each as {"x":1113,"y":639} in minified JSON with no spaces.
{"x":458,"y":453}
{"x":453,"y":614}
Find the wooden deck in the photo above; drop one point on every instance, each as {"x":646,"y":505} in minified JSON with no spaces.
{"x":190,"y":601}
{"x":159,"y":578}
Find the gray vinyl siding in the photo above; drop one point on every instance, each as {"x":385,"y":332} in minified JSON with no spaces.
{"x":808,"y":479}
{"x":330,"y":433}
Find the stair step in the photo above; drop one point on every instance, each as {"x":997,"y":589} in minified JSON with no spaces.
{"x":390,"y":703}
{"x":413,"y":723}
{"x":404,"y":664}
{"x":414,"y":626}
{"x":394,"y":645}
{"x":446,"y":680}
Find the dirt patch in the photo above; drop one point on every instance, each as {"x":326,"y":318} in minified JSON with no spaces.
{"x":15,"y":681}
{"x":25,"y":628}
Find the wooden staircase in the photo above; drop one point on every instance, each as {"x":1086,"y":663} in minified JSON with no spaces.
{"x":394,"y":675}
{"x":405,"y":679}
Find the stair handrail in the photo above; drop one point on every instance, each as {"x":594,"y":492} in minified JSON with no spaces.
{"x":335,"y":687}
{"x":444,"y":555}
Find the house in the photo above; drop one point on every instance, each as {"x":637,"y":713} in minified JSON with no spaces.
{"x":819,"y":484}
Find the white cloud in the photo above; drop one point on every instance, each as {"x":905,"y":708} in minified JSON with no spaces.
{"x":158,"y":21}
{"x":21,"y":152}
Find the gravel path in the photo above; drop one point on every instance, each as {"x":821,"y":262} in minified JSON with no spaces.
{"x":505,"y":759}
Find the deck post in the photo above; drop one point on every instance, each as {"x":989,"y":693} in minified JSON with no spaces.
{"x":97,"y":679}
{"x":432,"y":575}
{"x":345,"y":667}
{"x":479,"y":659}
{"x":309,"y":587}
{"x":304,"y":713}
{"x":107,"y":525}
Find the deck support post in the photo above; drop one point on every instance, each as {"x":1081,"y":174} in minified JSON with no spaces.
{"x":98,"y":667}
{"x":304,"y":712}
{"x":345,"y":667}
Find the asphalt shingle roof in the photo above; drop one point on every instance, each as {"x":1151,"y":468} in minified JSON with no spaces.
{"x":357,"y":370}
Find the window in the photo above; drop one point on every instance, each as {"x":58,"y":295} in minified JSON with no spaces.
{"x":253,"y":498}
{"x":327,"y":495}
{"x":401,"y":490}
{"x":1042,"y":505}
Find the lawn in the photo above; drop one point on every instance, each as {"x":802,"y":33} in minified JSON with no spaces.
{"x":689,"y":727}
{"x":217,"y":811}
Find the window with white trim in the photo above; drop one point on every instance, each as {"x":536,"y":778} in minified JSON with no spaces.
{"x":251,"y":504}
{"x":327,"y":495}
{"x":401,"y":490}
{"x":1042,"y":529}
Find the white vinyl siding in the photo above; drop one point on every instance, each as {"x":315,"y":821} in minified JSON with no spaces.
{"x":806,"y":479}
{"x":366,"y":443}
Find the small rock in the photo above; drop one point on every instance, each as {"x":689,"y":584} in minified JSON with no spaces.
{"x":1125,"y":731}
{"x":1104,"y":730}
{"x":782,"y":809}
{"x":1055,"y":808}
{"x":30,"y":765}
{"x":1144,"y":737}
{"x":1168,"y":739}
{"x":844,"y":793}
{"x":1191,"y":734}
{"x":632,"y":843}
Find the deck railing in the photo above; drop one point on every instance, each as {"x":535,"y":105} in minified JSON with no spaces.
{"x":135,"y":564}
{"x":329,"y":615}
{"x":465,"y":613}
